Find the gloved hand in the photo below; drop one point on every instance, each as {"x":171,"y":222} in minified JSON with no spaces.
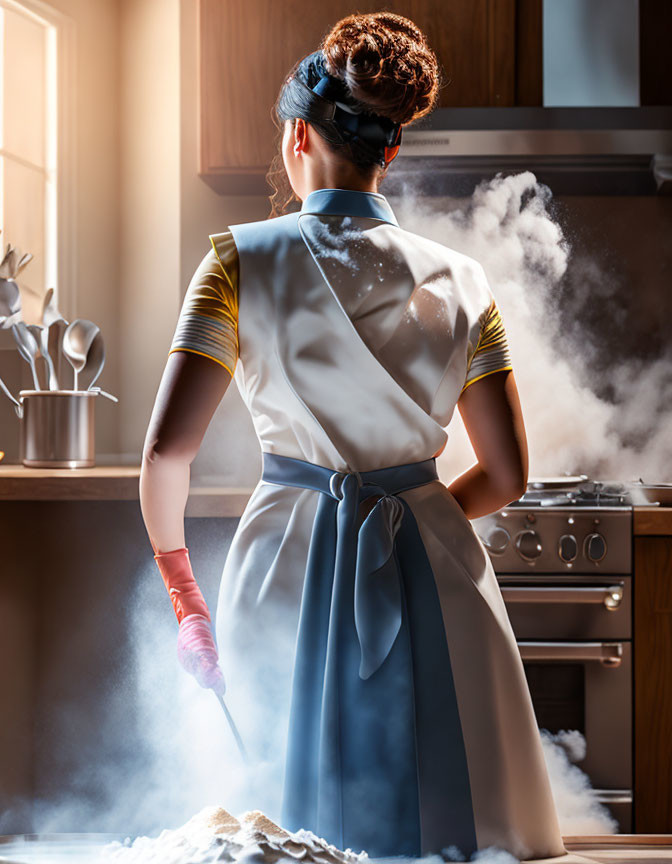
{"x":197,"y":652}
{"x":196,"y":649}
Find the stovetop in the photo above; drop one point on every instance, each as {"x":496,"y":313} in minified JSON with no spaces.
{"x":578,"y":491}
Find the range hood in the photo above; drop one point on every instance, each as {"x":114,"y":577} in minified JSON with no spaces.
{"x":599,"y":151}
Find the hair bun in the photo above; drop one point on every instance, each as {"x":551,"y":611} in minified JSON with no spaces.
{"x":386,"y":64}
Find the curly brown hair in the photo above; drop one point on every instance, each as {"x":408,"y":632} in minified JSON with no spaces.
{"x":387,"y":69}
{"x":386,"y":63}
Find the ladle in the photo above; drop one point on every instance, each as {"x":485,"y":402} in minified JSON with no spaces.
{"x":77,"y":340}
{"x":95,"y":360}
{"x":17,"y":404}
{"x":40,"y":335}
{"x":50,"y":312}
{"x":10,"y":303}
{"x":27,"y":346}
{"x":10,"y":298}
{"x":52,"y":340}
{"x":56,"y":331}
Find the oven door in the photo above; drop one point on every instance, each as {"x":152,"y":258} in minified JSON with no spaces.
{"x":573,"y":634}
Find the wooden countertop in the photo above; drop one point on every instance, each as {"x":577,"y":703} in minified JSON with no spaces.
{"x":652,"y":520}
{"x":102,"y":483}
{"x":120,"y":483}
{"x":109,"y":483}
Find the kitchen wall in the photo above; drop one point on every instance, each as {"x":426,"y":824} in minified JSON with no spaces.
{"x":149,"y":248}
{"x":167,"y":213}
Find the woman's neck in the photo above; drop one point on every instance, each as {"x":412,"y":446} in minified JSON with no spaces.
{"x":338,"y":177}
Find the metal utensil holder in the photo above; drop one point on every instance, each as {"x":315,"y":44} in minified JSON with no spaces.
{"x":58,"y":428}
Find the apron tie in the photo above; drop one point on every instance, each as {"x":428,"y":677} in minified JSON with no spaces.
{"x":377,"y":597}
{"x":377,"y":591}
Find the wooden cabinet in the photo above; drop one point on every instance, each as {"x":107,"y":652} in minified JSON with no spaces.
{"x":490,"y":51}
{"x":653,"y":670}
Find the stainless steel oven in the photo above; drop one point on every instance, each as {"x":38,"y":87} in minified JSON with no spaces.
{"x":564,"y":566}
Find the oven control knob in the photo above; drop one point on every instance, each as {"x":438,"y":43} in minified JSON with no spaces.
{"x":568,"y":547}
{"x":596,"y":547}
{"x":528,"y":544}
{"x":497,"y":540}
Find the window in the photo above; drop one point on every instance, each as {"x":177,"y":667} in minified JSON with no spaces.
{"x":28,"y":147}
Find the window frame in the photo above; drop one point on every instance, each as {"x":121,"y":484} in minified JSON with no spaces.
{"x":62,"y":240}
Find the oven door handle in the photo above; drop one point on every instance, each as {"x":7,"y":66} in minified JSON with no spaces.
{"x":610,"y":654}
{"x":611,"y":596}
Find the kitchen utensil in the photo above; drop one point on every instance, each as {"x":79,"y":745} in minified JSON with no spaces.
{"x":13,"y":261}
{"x":50,"y":312}
{"x":27,"y":346}
{"x":103,"y":393}
{"x":95,"y":360}
{"x":63,"y":371}
{"x":10,"y":301}
{"x":7,"y":321}
{"x":77,"y":340}
{"x":236,"y":734}
{"x":44,"y":348}
{"x":10,"y":296}
{"x":17,"y":404}
{"x":42,"y":359}
{"x":52,"y":340}
{"x":48,"y":297}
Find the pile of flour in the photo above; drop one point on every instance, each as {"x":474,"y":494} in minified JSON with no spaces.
{"x":215,"y":835}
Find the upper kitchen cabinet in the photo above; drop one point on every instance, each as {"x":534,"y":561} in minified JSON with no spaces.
{"x":490,"y":51}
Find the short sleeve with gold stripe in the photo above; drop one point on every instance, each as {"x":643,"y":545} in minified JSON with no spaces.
{"x":208,"y":321}
{"x":491,"y":353}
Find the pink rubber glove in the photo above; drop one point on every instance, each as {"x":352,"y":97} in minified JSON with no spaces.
{"x":196,"y":649}
{"x":178,"y":577}
{"x":197,"y":652}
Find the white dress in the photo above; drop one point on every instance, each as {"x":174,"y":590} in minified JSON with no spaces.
{"x":350,"y":342}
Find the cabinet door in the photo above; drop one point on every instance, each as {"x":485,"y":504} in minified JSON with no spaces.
{"x":653,"y":685}
{"x":247,"y":47}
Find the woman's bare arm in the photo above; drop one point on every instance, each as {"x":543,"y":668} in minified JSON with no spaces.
{"x":189,"y":392}
{"x":490,"y":409}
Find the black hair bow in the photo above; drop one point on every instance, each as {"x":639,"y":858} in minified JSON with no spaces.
{"x":373,"y":132}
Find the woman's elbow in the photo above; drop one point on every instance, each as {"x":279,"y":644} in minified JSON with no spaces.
{"x":515,"y":492}
{"x":158,"y":452}
{"x":510,"y":485}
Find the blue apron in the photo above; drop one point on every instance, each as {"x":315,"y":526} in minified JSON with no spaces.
{"x":375,"y":756}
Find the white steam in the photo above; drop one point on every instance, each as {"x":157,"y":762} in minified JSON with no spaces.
{"x":507,"y":226}
{"x":578,"y":807}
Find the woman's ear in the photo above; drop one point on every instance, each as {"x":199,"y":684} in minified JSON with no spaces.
{"x":300,"y":136}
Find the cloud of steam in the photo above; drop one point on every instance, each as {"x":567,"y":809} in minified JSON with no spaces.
{"x":611,"y":422}
{"x":189,"y":762}
{"x":191,"y":759}
{"x":578,"y":807}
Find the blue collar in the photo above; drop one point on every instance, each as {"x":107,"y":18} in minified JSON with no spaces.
{"x":349,"y":202}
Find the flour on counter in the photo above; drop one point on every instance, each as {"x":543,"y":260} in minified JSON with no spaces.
{"x":215,"y":835}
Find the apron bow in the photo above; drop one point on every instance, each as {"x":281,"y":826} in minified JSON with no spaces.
{"x":377,"y":598}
